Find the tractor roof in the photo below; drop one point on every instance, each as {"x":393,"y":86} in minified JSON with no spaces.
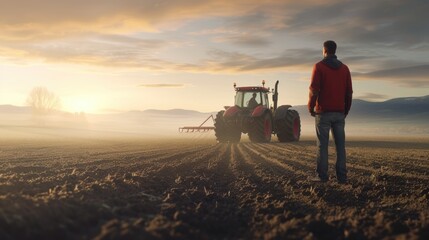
{"x":252,"y":89}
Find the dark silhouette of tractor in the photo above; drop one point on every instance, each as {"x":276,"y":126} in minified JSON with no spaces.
{"x":253,"y":115}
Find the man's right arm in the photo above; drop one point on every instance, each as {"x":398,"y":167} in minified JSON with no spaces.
{"x":349,"y":93}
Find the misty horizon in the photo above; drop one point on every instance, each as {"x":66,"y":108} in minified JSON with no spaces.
{"x":113,"y":111}
{"x":394,"y":117}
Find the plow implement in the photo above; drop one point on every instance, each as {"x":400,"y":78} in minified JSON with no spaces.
{"x":200,"y":128}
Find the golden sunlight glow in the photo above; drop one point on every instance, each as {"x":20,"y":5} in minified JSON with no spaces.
{"x":80,"y":104}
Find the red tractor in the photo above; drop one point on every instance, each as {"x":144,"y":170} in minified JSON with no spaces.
{"x":253,"y":115}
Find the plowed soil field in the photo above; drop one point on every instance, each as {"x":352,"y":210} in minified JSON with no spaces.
{"x":171,"y":189}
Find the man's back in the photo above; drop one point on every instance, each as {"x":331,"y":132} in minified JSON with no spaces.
{"x":331,"y":81}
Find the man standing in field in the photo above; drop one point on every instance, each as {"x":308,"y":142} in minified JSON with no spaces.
{"x":329,"y":102}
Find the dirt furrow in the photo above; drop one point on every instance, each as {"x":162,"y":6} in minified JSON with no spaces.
{"x":23,"y":176}
{"x":379,"y":160}
{"x":290,"y":158}
{"x":210,"y":194}
{"x":279,"y":197}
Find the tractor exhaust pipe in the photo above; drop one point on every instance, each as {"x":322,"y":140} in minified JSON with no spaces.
{"x":275,"y":95}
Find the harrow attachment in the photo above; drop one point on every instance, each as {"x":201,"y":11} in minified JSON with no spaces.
{"x":200,"y":128}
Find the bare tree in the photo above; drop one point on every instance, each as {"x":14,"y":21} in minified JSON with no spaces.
{"x":43,"y":101}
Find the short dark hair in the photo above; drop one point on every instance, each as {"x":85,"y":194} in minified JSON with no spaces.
{"x":330,"y":46}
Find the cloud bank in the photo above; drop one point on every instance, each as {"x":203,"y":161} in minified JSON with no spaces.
{"x":225,"y":36}
{"x":162,"y":85}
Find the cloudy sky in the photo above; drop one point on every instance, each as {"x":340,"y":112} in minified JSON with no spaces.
{"x":107,"y":56}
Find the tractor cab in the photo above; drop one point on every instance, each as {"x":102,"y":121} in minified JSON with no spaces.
{"x":251,"y":97}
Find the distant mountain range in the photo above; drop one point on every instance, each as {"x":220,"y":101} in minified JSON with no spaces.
{"x":410,"y":108}
{"x":14,"y":109}
{"x":182,"y":112}
{"x":398,"y":107}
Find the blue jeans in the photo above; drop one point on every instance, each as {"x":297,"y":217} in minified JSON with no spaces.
{"x":324,"y":123}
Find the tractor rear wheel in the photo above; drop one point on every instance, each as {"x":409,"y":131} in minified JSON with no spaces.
{"x":223,"y":132}
{"x":289,"y":128}
{"x":262,"y":129}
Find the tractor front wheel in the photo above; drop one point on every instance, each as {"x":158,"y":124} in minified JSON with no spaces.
{"x":223,"y":132}
{"x":262,"y":129}
{"x":289,"y":128}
